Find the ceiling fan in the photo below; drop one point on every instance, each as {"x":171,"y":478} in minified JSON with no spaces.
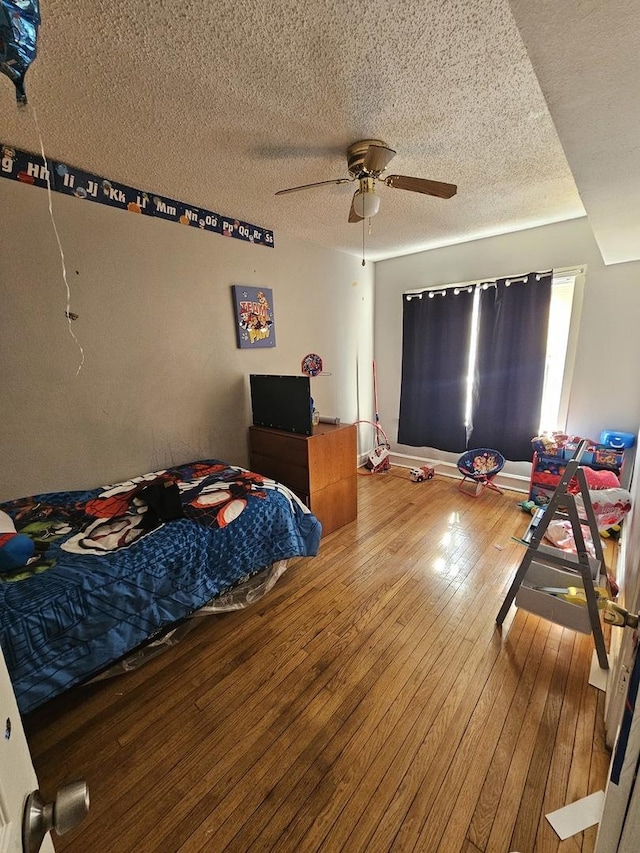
{"x":366,"y":161}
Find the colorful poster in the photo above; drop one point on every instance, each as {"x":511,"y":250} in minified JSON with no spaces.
{"x":28,"y":168}
{"x":255,"y":327}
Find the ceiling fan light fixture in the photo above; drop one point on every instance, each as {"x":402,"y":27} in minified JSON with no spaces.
{"x":367,"y":159}
{"x":366,"y":203}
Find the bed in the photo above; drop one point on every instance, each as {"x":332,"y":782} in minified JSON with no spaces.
{"x":115,"y":567}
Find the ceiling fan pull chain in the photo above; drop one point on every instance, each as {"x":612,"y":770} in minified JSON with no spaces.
{"x":363,"y":260}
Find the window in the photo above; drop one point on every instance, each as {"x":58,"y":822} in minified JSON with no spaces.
{"x":551,"y":415}
{"x":487,"y":369}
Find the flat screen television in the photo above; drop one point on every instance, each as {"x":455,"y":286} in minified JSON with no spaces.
{"x":281,"y":402}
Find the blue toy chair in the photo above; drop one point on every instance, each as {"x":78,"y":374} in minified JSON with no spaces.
{"x":480,"y":466}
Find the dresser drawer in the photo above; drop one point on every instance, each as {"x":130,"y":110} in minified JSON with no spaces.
{"x":295,"y":477}
{"x":280,"y":445}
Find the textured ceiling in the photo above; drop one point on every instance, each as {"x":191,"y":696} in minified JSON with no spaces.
{"x":220,"y":104}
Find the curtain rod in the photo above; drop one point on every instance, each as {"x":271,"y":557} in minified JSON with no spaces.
{"x":467,"y":285}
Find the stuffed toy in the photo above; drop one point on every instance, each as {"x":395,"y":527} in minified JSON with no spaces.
{"x":16,"y":549}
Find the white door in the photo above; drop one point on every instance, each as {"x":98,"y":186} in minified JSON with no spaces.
{"x":622,"y":648}
{"x":17,"y":776}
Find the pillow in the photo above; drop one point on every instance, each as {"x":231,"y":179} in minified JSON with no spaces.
{"x":596,"y":480}
{"x":601,"y":479}
{"x":609,"y":505}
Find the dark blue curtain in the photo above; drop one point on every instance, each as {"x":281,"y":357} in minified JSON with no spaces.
{"x":510,"y":365}
{"x":436,"y":334}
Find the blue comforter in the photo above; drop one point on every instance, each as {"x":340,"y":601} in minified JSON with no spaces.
{"x":110,"y":572}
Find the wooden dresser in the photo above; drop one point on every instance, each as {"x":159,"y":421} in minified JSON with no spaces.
{"x":320,"y":468}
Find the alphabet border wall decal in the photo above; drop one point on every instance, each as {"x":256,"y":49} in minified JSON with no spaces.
{"x":29,"y":168}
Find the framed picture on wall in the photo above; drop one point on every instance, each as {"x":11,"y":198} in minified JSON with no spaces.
{"x":254,"y":319}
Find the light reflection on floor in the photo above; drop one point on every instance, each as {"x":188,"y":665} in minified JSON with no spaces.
{"x":447,"y":563}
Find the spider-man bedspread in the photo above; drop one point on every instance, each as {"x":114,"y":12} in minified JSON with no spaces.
{"x":113,"y":566}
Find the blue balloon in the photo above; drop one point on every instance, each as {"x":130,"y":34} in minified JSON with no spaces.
{"x":19,"y":22}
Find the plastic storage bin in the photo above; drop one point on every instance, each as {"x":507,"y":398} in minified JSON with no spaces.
{"x":617,"y":440}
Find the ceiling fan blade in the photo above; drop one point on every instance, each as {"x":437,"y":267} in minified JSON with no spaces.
{"x":353,"y":216}
{"x":316,"y":184}
{"x":377,"y":157}
{"x":421,"y":185}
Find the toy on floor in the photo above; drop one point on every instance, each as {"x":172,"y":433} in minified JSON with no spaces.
{"x":379,"y":459}
{"x":419,"y":475}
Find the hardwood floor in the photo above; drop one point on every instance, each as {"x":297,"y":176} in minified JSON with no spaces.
{"x":368,"y":703}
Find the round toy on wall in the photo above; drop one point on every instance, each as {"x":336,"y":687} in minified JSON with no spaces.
{"x":311,"y":365}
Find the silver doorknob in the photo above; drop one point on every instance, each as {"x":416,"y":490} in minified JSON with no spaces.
{"x":66,"y":811}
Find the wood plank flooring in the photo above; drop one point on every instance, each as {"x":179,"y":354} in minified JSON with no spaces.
{"x":368,"y":703}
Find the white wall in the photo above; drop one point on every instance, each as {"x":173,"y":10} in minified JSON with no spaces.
{"x":605,"y":392}
{"x":163,"y":381}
